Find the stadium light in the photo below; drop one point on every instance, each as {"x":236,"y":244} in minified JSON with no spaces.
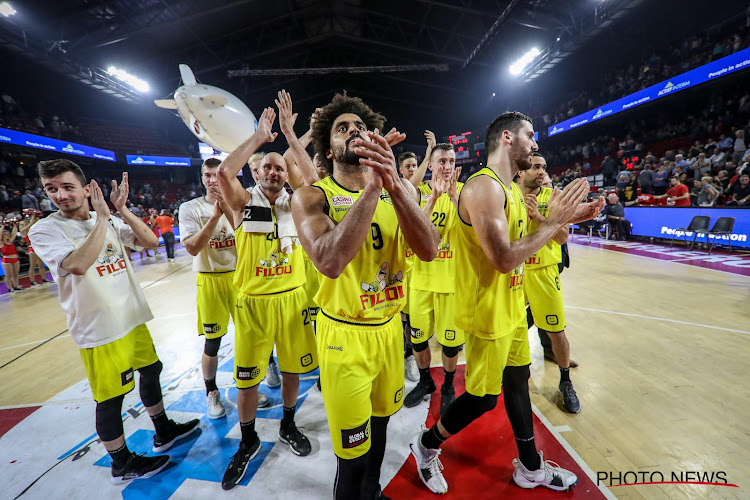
{"x":7,"y":9}
{"x":131,"y":80}
{"x":517,"y":67}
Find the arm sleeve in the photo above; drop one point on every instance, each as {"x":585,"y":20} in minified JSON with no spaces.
{"x":52,"y":245}
{"x":189,"y":223}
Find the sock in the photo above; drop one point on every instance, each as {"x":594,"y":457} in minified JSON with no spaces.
{"x":120,"y":456}
{"x":432,"y":439}
{"x":288,"y":416}
{"x":424,"y":375}
{"x":448,"y":382}
{"x":408,"y":351}
{"x":249,"y":436}
{"x":162,"y":424}
{"x":565,"y":374}
{"x":210,"y":385}
{"x":271,"y":361}
{"x":527,"y":453}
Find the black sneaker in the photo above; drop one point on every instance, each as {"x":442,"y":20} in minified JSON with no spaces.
{"x":448,"y":395}
{"x":318,"y":384}
{"x":177,"y":432}
{"x":297,"y":441}
{"x":420,"y":393}
{"x":238,"y":465}
{"x":139,"y":467}
{"x":570,"y":398}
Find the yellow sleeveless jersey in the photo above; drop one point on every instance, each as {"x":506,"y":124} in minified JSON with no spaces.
{"x":489,"y":304}
{"x":262,"y":268}
{"x":550,"y":254}
{"x":372,"y":287}
{"x":437,"y":276}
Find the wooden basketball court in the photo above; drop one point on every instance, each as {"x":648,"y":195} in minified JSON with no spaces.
{"x":662,"y":346}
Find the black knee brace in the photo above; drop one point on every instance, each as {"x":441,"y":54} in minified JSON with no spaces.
{"x":149,"y":386}
{"x":212,"y":347}
{"x":450,"y":352}
{"x":516,"y":378}
{"x":466,"y":409}
{"x":109,"y":419}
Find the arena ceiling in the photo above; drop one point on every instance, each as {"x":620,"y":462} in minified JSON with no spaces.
{"x":403,"y":55}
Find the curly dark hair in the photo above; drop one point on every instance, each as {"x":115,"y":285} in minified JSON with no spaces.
{"x":341,"y":103}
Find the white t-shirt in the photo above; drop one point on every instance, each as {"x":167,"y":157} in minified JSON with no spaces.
{"x":106,"y":302}
{"x":219,"y":254}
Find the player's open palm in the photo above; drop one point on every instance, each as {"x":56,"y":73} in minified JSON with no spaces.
{"x":98,"y":202}
{"x":119,"y":194}
{"x":563,"y":204}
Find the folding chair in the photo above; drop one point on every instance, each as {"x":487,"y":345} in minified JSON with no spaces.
{"x":699,"y":224}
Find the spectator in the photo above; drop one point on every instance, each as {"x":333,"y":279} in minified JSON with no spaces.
{"x":646,"y":180}
{"x":47,"y":206}
{"x":660,"y":180}
{"x":28,"y":200}
{"x":677,"y":195}
{"x":701,"y":167}
{"x":4,"y":196}
{"x":609,"y":170}
{"x":707,"y":193}
{"x":723,"y":179}
{"x":718,"y":159}
{"x":679,"y":162}
{"x":630,"y":193}
{"x":741,"y":192}
{"x":165,"y":222}
{"x":615,"y":214}
{"x":739,"y":146}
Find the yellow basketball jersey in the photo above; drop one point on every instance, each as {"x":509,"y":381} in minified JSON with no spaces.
{"x":550,"y":254}
{"x":437,"y":276}
{"x":489,"y":304}
{"x":262,"y":267}
{"x":372,"y":287}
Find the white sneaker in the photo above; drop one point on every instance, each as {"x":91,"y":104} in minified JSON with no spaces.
{"x":428,"y":465}
{"x":262,"y":400}
{"x":550,"y":475}
{"x":215,"y":409}
{"x":273,"y":379}
{"x":411,"y":370}
{"x":35,"y":284}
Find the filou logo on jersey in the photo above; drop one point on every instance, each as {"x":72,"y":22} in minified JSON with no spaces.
{"x":516,"y":280}
{"x":387,"y":287}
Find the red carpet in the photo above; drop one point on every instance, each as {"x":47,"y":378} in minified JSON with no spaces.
{"x":10,"y":418}
{"x":478,"y":460}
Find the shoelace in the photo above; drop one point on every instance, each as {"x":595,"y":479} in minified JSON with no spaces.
{"x":567,"y":390}
{"x":551,"y":467}
{"x":434,"y":463}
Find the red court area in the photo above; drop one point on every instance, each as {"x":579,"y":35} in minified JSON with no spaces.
{"x":11,"y":417}
{"x":478,"y":460}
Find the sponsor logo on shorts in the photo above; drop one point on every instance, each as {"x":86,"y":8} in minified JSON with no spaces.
{"x":127,"y":376}
{"x":552,"y":319}
{"x":306,"y":360}
{"x":351,"y":438}
{"x":211,"y":328}
{"x":335,"y":348}
{"x":399,"y":395}
{"x":244,"y":373}
{"x":416,"y":333}
{"x":450,"y":335}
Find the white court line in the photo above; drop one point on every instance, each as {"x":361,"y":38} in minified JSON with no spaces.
{"x":35,"y":342}
{"x":658,"y":319}
{"x":563,"y":428}
{"x":581,"y":463}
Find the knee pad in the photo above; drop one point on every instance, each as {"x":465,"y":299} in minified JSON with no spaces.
{"x":420,"y":346}
{"x":450,"y":352}
{"x":212,"y":347}
{"x":466,"y":409}
{"x":149,"y":385}
{"x":516,"y":378}
{"x":109,"y":419}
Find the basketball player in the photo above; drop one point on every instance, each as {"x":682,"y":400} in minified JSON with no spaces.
{"x":492,"y":246}
{"x":271,"y":306}
{"x":431,"y":292}
{"x":208,"y":235}
{"x":354,"y":225}
{"x":542,"y":276}
{"x":106,"y":309}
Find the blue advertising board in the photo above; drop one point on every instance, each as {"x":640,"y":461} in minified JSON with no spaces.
{"x":711,"y":71}
{"x":8,"y":136}
{"x":662,"y":222}
{"x":164,"y":161}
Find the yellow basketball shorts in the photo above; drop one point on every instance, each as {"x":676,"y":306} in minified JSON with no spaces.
{"x":111,"y":367}
{"x":262,"y":320}
{"x":431,"y":312}
{"x":361,"y":375}
{"x":216,"y":297}
{"x":486,"y":359}
{"x":311,"y":287}
{"x":544,"y":294}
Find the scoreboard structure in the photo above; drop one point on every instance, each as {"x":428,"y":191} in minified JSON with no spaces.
{"x":464,"y":145}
